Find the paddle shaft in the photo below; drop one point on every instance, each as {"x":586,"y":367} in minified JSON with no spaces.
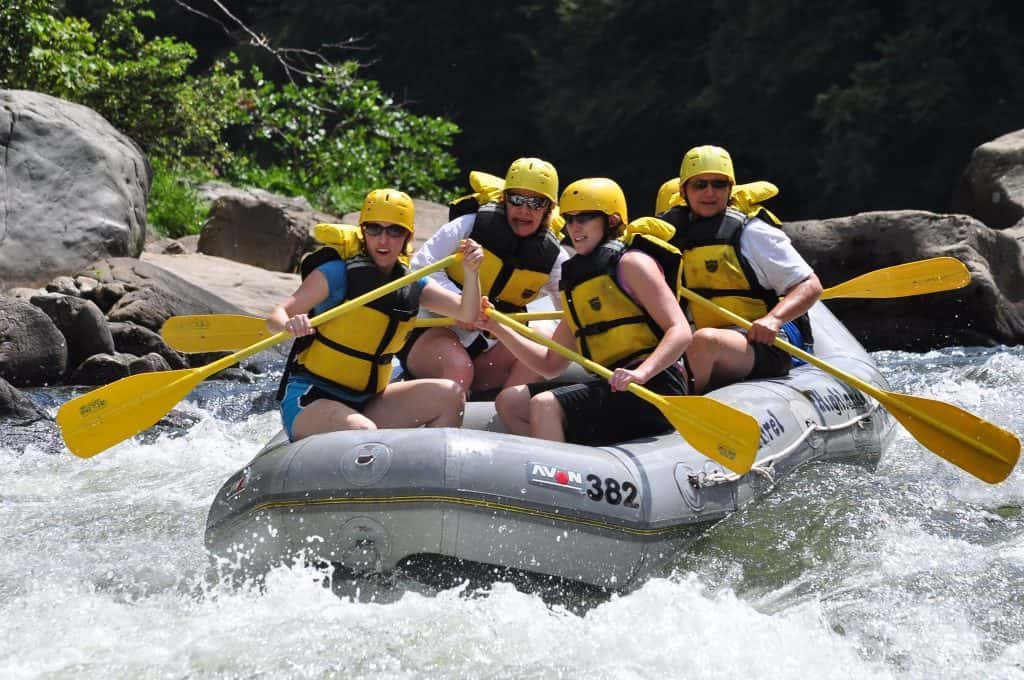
{"x":333,"y":313}
{"x":890,"y":400}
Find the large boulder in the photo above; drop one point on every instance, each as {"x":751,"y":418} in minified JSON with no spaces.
{"x":992,"y":185}
{"x":989,"y":311}
{"x":259,"y":228}
{"x":152,"y":294}
{"x":72,"y":189}
{"x":32,"y":350}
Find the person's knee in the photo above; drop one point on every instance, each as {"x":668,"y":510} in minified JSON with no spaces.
{"x":357,"y":421}
{"x":545,"y":407}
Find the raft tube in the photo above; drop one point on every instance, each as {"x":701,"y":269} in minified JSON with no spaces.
{"x":607,"y":516}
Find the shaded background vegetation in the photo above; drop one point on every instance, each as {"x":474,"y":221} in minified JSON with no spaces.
{"x":847,"y":105}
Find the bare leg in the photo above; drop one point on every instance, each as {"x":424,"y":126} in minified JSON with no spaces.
{"x":719,"y":356}
{"x":513,"y":406}
{"x":412,"y":403}
{"x":547,"y":418}
{"x":324,"y":415}
{"x":439,"y":354}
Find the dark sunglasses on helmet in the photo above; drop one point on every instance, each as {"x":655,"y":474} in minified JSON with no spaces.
{"x":392,"y":230}
{"x":701,"y":184}
{"x":531,"y":202}
{"x":582,"y":217}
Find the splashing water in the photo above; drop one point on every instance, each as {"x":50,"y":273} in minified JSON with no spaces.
{"x":915,"y":570}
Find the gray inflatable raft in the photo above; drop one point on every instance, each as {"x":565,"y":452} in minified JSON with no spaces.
{"x":608,"y":516}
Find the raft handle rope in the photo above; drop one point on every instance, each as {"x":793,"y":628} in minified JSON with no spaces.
{"x":764,"y":466}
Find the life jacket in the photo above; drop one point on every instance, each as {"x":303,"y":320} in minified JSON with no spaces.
{"x":514,"y":269}
{"x":609,"y":326}
{"x":714,"y":268}
{"x":354,"y":351}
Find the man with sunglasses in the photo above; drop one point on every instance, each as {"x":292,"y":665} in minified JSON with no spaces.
{"x":522,"y":260}
{"x":742,"y":264}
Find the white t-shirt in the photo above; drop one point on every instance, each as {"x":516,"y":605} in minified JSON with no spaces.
{"x":446,"y":241}
{"x":771,"y":255}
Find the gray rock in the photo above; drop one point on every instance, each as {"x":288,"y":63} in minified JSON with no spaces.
{"x":149,"y":363}
{"x":17,"y":407}
{"x":81,"y":322}
{"x":259,"y":228}
{"x":32,"y":350}
{"x":154,"y":294}
{"x":100,"y":369}
{"x":74,"y":190}
{"x":989,"y":311}
{"x":132,"y":338}
{"x":991,"y":187}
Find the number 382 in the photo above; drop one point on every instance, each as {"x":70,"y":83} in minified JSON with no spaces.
{"x":612,"y":491}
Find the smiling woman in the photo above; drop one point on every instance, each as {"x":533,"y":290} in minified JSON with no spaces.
{"x":337,"y":377}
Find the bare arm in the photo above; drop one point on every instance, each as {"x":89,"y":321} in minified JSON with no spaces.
{"x":641,"y":274}
{"x":464,"y":307}
{"x":292,"y":313}
{"x":540,"y":359}
{"x":797,"y":301}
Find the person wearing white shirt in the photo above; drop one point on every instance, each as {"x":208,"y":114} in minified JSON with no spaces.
{"x":522,"y":260}
{"x":742,"y":264}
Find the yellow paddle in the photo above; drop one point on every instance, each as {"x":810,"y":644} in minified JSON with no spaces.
{"x":719,"y":431}
{"x":226,"y":332}
{"x":107,"y":415}
{"x":933,"y":275}
{"x":985,"y":450}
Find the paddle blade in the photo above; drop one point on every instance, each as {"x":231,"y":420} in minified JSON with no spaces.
{"x":934,"y":275}
{"x":719,"y":431}
{"x":985,"y":450}
{"x":213,"y":332}
{"x":107,"y":415}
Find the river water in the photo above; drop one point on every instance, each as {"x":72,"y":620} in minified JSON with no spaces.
{"x":914,"y":570}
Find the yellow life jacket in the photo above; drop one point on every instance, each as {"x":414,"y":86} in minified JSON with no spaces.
{"x":713,"y":266}
{"x":354,"y":351}
{"x":514,"y":269}
{"x":609,"y":326}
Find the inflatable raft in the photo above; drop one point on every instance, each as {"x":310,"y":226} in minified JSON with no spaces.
{"x":610,"y":516}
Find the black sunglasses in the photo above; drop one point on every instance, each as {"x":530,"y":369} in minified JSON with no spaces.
{"x":582,"y":217}
{"x":701,"y":184}
{"x":531,"y":202}
{"x":392,"y":230}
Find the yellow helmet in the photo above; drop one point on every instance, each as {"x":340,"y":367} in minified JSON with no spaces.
{"x":595,"y":193}
{"x":701,"y":159}
{"x":535,"y":175}
{"x":665,"y":193}
{"x":389,"y":205}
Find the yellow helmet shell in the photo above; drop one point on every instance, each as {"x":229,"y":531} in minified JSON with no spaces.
{"x":389,"y":205}
{"x":533,"y":174}
{"x":665,"y":193}
{"x":706,"y":159}
{"x":595,"y":193}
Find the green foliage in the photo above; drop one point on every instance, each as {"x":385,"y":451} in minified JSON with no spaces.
{"x":141,"y":86}
{"x":334,"y":129}
{"x":175,"y":208}
{"x":331,"y":137}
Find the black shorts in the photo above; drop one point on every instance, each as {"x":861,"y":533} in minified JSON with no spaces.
{"x":475,"y":349}
{"x":770,"y":361}
{"x":597,"y":416}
